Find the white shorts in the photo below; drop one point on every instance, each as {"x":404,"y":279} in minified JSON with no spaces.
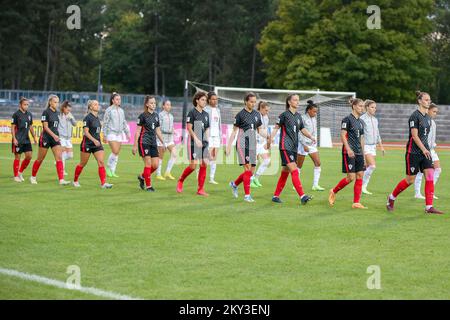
{"x":370,"y":149}
{"x":117,"y":137}
{"x":66,"y":143}
{"x":214,"y":142}
{"x":434,"y":155}
{"x":260,"y":149}
{"x":302,"y":152}
{"x":168,"y":144}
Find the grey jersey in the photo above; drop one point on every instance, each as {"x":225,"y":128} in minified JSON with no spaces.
{"x":432,"y":136}
{"x":265,"y":126}
{"x":371,"y":131}
{"x":311,"y":125}
{"x":114,"y":121}
{"x":65,"y":126}
{"x":166,"y":123}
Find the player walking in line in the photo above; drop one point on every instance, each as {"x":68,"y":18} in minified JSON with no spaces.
{"x":215,"y":133}
{"x":432,"y":112}
{"x":352,"y":136}
{"x":262,"y":148}
{"x":372,"y":138}
{"x":21,"y":126}
{"x":66,"y":123}
{"x":50,"y":139}
{"x":115,"y":127}
{"x":167,"y":130}
{"x":148,"y":128}
{"x":307,"y":146}
{"x":291,"y":124}
{"x":198,"y":128}
{"x":91,"y":144}
{"x":418,"y":156}
{"x":246,"y":123}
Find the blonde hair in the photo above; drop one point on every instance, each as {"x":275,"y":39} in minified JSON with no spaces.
{"x":50,"y":98}
{"x":368,"y":102}
{"x":90,"y":103}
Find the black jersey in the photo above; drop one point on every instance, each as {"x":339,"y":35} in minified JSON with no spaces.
{"x":355,"y":129}
{"x":290,"y":124}
{"x":247,"y":122}
{"x":95,"y":127}
{"x":149,"y":122}
{"x":52,"y":118}
{"x":200,"y":123}
{"x":423,"y":124}
{"x":23,"y":122}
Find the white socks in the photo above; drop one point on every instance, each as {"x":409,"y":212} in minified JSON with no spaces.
{"x":66,"y":156}
{"x":437,"y":174}
{"x":158,"y":171}
{"x":262,"y":168}
{"x":317,"y":171}
{"x":112,"y":162}
{"x":212,"y":172}
{"x":418,"y":183}
{"x":170,"y":164}
{"x":368,"y":175}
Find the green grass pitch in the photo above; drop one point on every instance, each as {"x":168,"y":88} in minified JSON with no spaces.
{"x":170,"y":246}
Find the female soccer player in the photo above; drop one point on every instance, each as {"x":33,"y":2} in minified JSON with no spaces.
{"x":21,"y":126}
{"x":148,"y":128}
{"x":372,"y":138}
{"x":167,"y":130}
{"x":215,"y":133}
{"x":91,"y":144}
{"x":115,"y":127}
{"x":262,"y":149}
{"x":66,"y":122}
{"x":352,"y":136}
{"x":246,"y":122}
{"x":432,"y":112}
{"x":307,"y":146}
{"x":418,"y":156}
{"x":198,"y":128}
{"x":50,"y":139}
{"x":291,"y":124}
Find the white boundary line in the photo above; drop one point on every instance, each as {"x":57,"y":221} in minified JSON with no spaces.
{"x":63,"y":285}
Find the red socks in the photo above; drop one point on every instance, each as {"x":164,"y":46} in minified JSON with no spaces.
{"x":36,"y":166}
{"x":281,"y":183}
{"x":402,"y":186}
{"x":16,"y":165}
{"x":429,"y":192}
{"x":147,"y":176}
{"x":201,"y":177}
{"x":24,"y":165}
{"x":186,"y":173}
{"x":247,"y":176}
{"x":78,"y":171}
{"x":357,"y":191}
{"x":60,"y":169}
{"x":102,"y":175}
{"x":341,"y":185}
{"x":239,"y":180}
{"x":296,"y":182}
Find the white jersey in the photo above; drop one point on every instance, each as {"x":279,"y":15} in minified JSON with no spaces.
{"x":265,"y":126}
{"x":310,"y":124}
{"x":432,"y":136}
{"x":371,"y":131}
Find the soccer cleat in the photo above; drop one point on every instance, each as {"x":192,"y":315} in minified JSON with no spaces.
{"x":107,"y":186}
{"x":365,"y":191}
{"x":150,"y":189}
{"x":202,"y":192}
{"x":248,"y":198}
{"x":109,"y":172}
{"x":114,"y":175}
{"x":33,"y":180}
{"x":21,"y":177}
{"x":179,"y":186}
{"x":358,"y":206}
{"x":64,"y":182}
{"x":256,"y":180}
{"x":17,"y":179}
{"x":433,"y":211}
{"x":65,"y":173}
{"x":332,"y":198}
{"x":76,"y":184}
{"x":169,"y":176}
{"x":234,"y":189}
{"x":318,"y":188}
{"x":141,"y":182}
{"x":390,"y":204}
{"x":160,"y":177}
{"x":212,"y":181}
{"x":253,"y":184}
{"x":435,"y":198}
{"x":276,"y":199}
{"x":419,"y":196}
{"x":305,"y":199}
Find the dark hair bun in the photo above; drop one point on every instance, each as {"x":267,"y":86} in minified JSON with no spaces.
{"x":310,"y":102}
{"x":418,"y":94}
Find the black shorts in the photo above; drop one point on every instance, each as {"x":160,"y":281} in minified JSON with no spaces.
{"x":146,"y":150}
{"x":48,"y":142}
{"x":416,"y":163}
{"x":246,"y":155}
{"x":287,"y":157}
{"x":353,"y":165}
{"x":88,"y":148}
{"x":195,"y":153}
{"x":21,"y":148}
